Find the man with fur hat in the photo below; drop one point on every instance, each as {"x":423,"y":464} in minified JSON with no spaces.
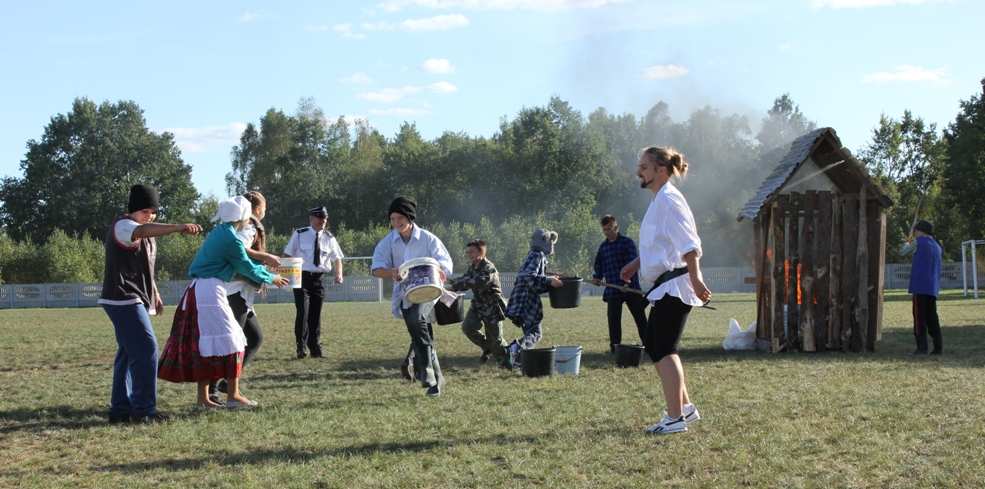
{"x":525,"y":308}
{"x":404,"y":242}
{"x":925,"y":286}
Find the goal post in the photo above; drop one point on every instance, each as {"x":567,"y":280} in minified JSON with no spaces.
{"x":969,"y":253}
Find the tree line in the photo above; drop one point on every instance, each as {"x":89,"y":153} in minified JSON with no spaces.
{"x":547,"y":166}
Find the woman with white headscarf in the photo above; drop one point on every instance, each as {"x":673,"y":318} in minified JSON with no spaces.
{"x":206,"y":342}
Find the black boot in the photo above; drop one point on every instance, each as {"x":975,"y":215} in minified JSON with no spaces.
{"x":921,"y":345}
{"x":938,"y":344}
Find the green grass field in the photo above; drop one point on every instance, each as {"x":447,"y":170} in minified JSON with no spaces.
{"x":827,"y":420}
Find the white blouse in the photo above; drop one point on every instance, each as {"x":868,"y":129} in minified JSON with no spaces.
{"x":667,"y":233}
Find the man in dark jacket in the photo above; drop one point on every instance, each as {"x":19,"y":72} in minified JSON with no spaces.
{"x":614,"y":253}
{"x":925,"y":286}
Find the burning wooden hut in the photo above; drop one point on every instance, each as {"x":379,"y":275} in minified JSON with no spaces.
{"x":820,"y":240}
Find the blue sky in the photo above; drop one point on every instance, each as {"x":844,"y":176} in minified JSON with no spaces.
{"x":204,"y":69}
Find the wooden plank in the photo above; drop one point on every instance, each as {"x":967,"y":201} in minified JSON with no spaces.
{"x":835,"y":304}
{"x":757,"y":263}
{"x":860,"y":332}
{"x":877,"y":271}
{"x":806,"y":254}
{"x":822,"y":262}
{"x":764,"y":272}
{"x":777,"y":228}
{"x":793,"y":258}
{"x":849,"y":279}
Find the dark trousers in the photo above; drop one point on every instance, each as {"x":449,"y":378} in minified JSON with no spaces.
{"x":248,"y":321}
{"x":925,"y":321}
{"x":422,"y":354}
{"x":637,"y":307}
{"x":307,"y":322}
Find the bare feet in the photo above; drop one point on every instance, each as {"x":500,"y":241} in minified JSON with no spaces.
{"x":207,"y":404}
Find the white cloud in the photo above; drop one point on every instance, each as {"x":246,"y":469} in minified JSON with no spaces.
{"x":908,"y":73}
{"x":248,"y":16}
{"x":199,"y":139}
{"x":425,"y":24}
{"x":664,"y":72}
{"x":400,"y":111}
{"x":438,"y":66}
{"x":436,"y":23}
{"x":389,"y":95}
{"x":346,"y":31}
{"x":397,"y":5}
{"x":842,"y":4}
{"x":357,"y":78}
{"x":442,"y":87}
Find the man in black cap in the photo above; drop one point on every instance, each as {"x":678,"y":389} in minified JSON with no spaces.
{"x":130,"y":297}
{"x":406,"y":241}
{"x":318,"y":251}
{"x":925,"y":285}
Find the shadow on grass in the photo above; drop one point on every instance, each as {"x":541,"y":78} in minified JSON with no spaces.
{"x":292,"y":455}
{"x":51,"y":418}
{"x":963,"y":346}
{"x":63,"y":418}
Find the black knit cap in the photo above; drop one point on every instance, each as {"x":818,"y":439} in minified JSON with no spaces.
{"x":405,"y":206}
{"x":924,"y":227}
{"x":143,"y":197}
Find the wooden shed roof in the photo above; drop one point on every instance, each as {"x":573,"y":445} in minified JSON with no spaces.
{"x":825,"y":149}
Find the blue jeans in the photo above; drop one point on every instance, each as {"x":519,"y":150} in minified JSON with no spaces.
{"x":134,"y":391}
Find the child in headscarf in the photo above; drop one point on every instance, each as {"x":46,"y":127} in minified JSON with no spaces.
{"x":525,"y":308}
{"x":206,"y":342}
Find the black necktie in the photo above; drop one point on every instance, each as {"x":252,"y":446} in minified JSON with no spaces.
{"x":317,"y":259}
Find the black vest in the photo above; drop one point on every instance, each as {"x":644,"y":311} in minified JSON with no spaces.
{"x":129,"y":272}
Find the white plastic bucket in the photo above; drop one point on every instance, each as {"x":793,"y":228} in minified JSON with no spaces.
{"x":567,"y":360}
{"x":290,"y":268}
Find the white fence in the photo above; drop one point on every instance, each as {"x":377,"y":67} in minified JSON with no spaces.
{"x":371,"y":289}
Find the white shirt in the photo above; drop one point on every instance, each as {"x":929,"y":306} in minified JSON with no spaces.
{"x":667,"y":233}
{"x":302,"y":245}
{"x":391,"y":252}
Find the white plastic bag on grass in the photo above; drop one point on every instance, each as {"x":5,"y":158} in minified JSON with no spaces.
{"x":738,"y":338}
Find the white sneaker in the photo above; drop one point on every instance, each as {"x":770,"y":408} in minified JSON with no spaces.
{"x":668,"y":425}
{"x":690,"y":412}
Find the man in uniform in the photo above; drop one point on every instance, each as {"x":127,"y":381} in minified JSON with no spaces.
{"x":319,"y":251}
{"x":488,"y":303}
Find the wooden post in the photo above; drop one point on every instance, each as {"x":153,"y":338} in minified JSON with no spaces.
{"x":835,"y":303}
{"x":807,"y":272}
{"x":822,"y":263}
{"x":849,"y":280}
{"x":860,"y":333}
{"x":764,"y":272}
{"x":777,"y":225}
{"x":876,"y":233}
{"x":793,"y":308}
{"x":757,"y":267}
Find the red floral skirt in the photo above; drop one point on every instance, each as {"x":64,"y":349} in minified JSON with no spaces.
{"x":180,"y":360}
